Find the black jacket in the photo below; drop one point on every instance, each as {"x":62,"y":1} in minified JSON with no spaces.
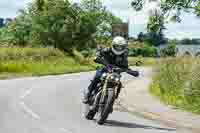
{"x":110,"y":58}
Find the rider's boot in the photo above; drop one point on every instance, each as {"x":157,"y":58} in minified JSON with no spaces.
{"x":85,"y":98}
{"x":88,"y":91}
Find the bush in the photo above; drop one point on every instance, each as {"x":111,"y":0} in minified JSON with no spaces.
{"x":177,"y":83}
{"x":169,"y":51}
{"x":88,"y":53}
{"x":145,"y":51}
{"x":38,"y":54}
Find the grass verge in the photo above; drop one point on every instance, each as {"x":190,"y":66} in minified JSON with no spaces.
{"x":19,"y":62}
{"x":143,"y":61}
{"x":177,"y":83}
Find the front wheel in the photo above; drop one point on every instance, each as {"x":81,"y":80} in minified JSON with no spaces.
{"x":105,"y":110}
{"x":91,"y":108}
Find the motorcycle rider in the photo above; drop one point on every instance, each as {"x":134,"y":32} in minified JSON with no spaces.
{"x":117,"y":55}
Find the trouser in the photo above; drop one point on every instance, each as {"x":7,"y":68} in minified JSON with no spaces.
{"x":96,"y":80}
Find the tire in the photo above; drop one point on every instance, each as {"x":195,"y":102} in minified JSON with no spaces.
{"x":89,"y":114}
{"x":103,"y":113}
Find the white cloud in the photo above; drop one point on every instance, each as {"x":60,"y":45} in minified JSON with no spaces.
{"x":117,"y":4}
{"x":9,"y":8}
{"x":188,"y":28}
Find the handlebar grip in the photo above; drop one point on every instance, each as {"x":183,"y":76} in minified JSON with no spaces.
{"x":133,"y":73}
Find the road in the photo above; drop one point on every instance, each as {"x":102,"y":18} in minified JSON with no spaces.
{"x":52,"y":105}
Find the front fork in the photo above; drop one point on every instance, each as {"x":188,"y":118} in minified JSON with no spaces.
{"x":118,"y":88}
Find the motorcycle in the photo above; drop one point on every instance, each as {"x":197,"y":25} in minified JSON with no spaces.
{"x":102,"y":99}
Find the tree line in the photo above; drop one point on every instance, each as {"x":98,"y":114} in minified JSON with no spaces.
{"x":60,"y":24}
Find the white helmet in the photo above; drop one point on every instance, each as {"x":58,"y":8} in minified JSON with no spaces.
{"x":119,"y":45}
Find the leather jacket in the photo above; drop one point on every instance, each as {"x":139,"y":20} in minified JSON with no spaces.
{"x":110,"y":58}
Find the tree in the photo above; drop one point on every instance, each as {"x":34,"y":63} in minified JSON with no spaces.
{"x":156,"y":22}
{"x":153,"y":38}
{"x":40,"y":4}
{"x":16,"y":32}
{"x":171,"y":8}
{"x":186,"y":41}
{"x":102,"y":18}
{"x":92,"y":6}
{"x":140,"y":37}
{"x":61,"y":24}
{"x":1,"y":22}
{"x":155,"y":27}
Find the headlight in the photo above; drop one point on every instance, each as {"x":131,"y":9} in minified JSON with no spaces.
{"x":103,"y":76}
{"x":117,"y":79}
{"x":112,"y":77}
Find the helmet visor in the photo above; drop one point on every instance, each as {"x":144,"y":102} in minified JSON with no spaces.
{"x":119,"y":47}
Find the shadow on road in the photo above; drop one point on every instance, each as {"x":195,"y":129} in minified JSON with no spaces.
{"x":114,"y":123}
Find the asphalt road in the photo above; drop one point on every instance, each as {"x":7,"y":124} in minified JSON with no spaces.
{"x":52,"y":105}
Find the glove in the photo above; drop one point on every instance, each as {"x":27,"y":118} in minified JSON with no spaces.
{"x":134,"y":73}
{"x":109,"y":66}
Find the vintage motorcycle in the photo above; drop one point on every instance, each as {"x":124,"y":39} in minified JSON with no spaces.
{"x":102,"y":99}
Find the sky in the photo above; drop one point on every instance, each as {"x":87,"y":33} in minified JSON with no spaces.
{"x":188,"y":28}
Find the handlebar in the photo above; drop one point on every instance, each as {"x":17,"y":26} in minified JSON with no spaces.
{"x":128,"y":71}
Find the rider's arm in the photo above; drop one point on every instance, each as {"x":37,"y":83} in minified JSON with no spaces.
{"x":100,"y":56}
{"x":128,"y":70}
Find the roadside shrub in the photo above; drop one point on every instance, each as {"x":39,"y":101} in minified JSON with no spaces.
{"x":177,"y":83}
{"x":88,"y":53}
{"x":170,"y":50}
{"x":79,"y":58}
{"x":145,"y":51}
{"x":38,"y":54}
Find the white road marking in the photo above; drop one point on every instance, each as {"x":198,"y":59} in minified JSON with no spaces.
{"x":28,"y":92}
{"x":65,"y":130}
{"x":29,"y":111}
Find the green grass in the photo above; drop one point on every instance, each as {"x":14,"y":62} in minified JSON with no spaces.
{"x":177,"y":83}
{"x":20,"y":62}
{"x":144,"y":61}
{"x":34,"y":54}
{"x":49,"y":67}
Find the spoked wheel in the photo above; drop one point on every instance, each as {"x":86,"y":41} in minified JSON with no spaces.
{"x":104,"y":110}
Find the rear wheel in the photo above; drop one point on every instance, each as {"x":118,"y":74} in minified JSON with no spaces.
{"x":105,"y":110}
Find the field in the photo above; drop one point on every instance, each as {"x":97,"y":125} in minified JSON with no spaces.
{"x":19,"y":62}
{"x":15,"y":62}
